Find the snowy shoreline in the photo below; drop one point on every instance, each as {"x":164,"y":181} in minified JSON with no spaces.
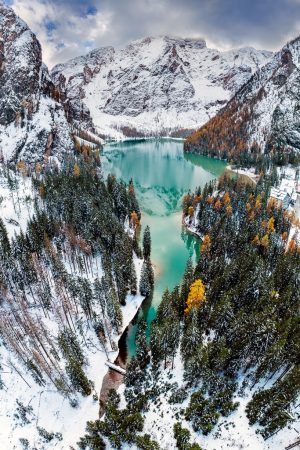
{"x":145,"y":138}
{"x":245,"y":173}
{"x":190,"y":228}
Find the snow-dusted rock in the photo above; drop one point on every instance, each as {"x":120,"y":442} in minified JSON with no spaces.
{"x":32,"y":123}
{"x":154,"y":86}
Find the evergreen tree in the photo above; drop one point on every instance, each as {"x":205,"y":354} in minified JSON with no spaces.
{"x":77,"y":377}
{"x":147,"y":278}
{"x":147,"y":243}
{"x":142,"y":348}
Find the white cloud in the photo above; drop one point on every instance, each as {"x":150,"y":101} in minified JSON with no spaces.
{"x":71,"y":29}
{"x":223,"y":23}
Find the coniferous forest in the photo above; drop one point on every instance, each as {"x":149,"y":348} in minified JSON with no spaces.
{"x":234,"y":321}
{"x":149,"y":225}
{"x":72,"y":266}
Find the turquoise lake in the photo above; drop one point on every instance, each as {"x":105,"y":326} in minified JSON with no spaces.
{"x":162,"y":174}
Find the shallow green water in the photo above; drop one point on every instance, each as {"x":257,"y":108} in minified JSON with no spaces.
{"x":161,"y":174}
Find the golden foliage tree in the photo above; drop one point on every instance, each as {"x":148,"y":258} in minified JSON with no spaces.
{"x":218,"y":205}
{"x":255,"y":240}
{"x":226,"y":199}
{"x":265,"y":241}
{"x":258,"y":202}
{"x":206,"y":244}
{"x":210,"y":200}
{"x":76,"y":170}
{"x":248,"y":207}
{"x":292,"y":245}
{"x":190,"y":211}
{"x":271,"y":225}
{"x":196,"y":296}
{"x":21,"y":166}
{"x":134,"y":219}
{"x":251,"y":216}
{"x":229,"y":210}
{"x":197,"y":200}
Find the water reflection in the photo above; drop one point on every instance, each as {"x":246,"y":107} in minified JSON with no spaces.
{"x":162,"y":174}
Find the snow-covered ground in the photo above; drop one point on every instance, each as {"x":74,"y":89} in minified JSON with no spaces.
{"x":15,"y":203}
{"x":249,"y":173}
{"x":232,"y":432}
{"x":34,"y":137}
{"x":50,"y":410}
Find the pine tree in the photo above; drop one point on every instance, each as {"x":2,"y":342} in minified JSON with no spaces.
{"x":185,"y":285}
{"x":4,"y":241}
{"x":77,"y":377}
{"x":147,"y":278}
{"x":142,"y":348}
{"x":133,"y":279}
{"x":147,"y":243}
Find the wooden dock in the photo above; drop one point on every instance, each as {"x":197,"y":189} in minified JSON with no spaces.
{"x":115,"y":367}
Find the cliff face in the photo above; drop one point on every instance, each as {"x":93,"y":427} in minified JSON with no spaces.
{"x":154,"y":86}
{"x":32,"y":123}
{"x":262,"y":117}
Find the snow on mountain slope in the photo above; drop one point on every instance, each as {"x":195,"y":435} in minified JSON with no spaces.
{"x":154,"y":86}
{"x":32,"y":123}
{"x":265,"y":112}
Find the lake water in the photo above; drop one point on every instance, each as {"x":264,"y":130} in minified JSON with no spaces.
{"x":162,"y":174}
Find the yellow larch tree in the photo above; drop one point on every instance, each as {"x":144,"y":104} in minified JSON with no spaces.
{"x":21,"y":166}
{"x":190,"y":211}
{"x":265,"y":241}
{"x":196,"y":296}
{"x":76,"y":170}
{"x":271,"y":225}
{"x":226,"y":199}
{"x":248,"y":207}
{"x":229,"y":210}
{"x":206,"y":244}
{"x":134,"y":220}
{"x":255,"y":240}
{"x":292,"y":246}
{"x":258,"y":202}
{"x":218,"y":205}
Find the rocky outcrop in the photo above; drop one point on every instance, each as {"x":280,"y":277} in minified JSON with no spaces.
{"x":154,"y":86}
{"x":263,"y":117}
{"x":32,"y":123}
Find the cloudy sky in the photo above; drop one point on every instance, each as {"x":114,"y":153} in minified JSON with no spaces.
{"x":68,"y":28}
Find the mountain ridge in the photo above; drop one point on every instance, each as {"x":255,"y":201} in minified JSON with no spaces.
{"x":263,"y":115}
{"x":155,"y":85}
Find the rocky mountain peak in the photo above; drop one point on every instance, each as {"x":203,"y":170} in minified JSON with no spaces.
{"x":20,"y":64}
{"x":156,"y":85}
{"x":32,"y":122}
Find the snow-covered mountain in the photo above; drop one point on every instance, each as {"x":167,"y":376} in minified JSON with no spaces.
{"x":263,"y":115}
{"x":154,"y":86}
{"x":32,"y":123}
